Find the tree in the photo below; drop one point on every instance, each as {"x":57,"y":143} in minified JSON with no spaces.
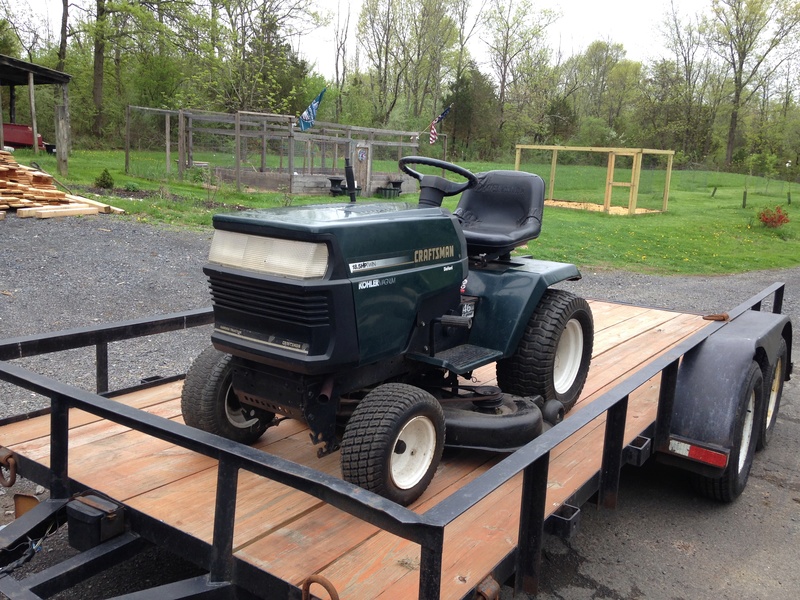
{"x":751,"y":37}
{"x":514,"y":30}
{"x":378,"y":28}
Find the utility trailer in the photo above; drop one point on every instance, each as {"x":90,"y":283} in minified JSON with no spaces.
{"x":124,"y":472}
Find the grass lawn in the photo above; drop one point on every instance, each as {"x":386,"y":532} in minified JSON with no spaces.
{"x":704,"y":231}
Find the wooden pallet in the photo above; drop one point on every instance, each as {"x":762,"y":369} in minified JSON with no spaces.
{"x":293,"y":535}
{"x":32,"y":193}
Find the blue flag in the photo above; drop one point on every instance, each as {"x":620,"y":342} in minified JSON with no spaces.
{"x":309,"y":115}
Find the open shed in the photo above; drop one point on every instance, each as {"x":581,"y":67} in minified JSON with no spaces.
{"x":15,"y":72}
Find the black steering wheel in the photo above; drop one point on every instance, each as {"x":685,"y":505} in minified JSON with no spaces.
{"x":432,"y":188}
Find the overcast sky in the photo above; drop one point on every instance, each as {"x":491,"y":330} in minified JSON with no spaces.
{"x":636,"y":24}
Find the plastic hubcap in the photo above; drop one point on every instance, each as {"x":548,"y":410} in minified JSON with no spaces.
{"x":413,"y":452}
{"x":235,"y":413}
{"x":569,"y":353}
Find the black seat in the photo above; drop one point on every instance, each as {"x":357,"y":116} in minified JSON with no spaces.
{"x":502,"y":212}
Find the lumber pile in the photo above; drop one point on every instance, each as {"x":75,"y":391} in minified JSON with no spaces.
{"x":32,"y":193}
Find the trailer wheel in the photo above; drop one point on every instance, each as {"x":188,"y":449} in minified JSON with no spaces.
{"x":393,"y":443}
{"x":208,"y":401}
{"x":734,"y":479}
{"x":553,"y":356}
{"x":773,"y":392}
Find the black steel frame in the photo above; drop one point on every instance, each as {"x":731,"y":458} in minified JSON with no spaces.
{"x":426,"y":529}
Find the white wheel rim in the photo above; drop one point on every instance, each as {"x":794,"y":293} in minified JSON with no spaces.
{"x":235,"y":413}
{"x":569,"y":353}
{"x":747,"y":429}
{"x":413,"y":452}
{"x":773,"y":392}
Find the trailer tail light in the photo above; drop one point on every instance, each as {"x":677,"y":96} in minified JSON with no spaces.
{"x":714,"y":458}
{"x":273,"y":256}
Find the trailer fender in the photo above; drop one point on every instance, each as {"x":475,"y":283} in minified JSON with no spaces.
{"x":707,"y":395}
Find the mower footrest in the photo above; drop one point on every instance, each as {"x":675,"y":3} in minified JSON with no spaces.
{"x":461,"y":359}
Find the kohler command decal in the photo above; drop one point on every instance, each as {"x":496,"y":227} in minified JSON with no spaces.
{"x":373,"y":283}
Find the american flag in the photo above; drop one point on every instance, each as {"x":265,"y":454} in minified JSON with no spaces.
{"x":434,"y":134}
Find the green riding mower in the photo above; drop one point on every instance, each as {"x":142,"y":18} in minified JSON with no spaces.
{"x":367,"y":321}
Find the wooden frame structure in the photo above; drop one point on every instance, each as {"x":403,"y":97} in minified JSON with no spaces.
{"x":636,"y":153}
{"x":15,"y":72}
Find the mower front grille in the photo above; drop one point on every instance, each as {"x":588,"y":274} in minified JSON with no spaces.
{"x":251,"y":297}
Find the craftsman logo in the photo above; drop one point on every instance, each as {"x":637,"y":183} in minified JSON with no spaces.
{"x":435,"y":253}
{"x":373,"y":283}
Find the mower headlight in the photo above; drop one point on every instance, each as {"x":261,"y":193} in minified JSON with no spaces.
{"x":285,"y":258}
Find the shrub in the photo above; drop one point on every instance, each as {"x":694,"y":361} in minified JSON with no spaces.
{"x":131,"y":186}
{"x":104,"y":180}
{"x":773,"y":218}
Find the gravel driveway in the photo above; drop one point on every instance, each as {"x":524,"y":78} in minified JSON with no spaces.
{"x":662,"y":542}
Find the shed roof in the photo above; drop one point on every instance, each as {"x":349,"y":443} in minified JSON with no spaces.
{"x":14,"y":71}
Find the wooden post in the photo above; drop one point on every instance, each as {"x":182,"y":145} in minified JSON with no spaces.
{"x":636,"y":170}
{"x":2,"y":135}
{"x":667,"y":181}
{"x":517,"y":159}
{"x":127,"y":138}
{"x":190,"y":142}
{"x":238,"y":150}
{"x":181,"y":144}
{"x":65,"y":102}
{"x":336,"y":153}
{"x":62,"y":139}
{"x":168,"y":140}
{"x":552,"y":186}
{"x":307,"y":165}
{"x":290,"y":159}
{"x":264,"y":147}
{"x":609,"y":182}
{"x":32,"y":98}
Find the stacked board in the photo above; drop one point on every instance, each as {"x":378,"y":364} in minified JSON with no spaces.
{"x":32,"y":193}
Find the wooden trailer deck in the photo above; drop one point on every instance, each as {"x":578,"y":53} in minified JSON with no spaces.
{"x":293,"y":535}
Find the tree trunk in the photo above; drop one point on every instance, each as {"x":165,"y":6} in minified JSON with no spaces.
{"x":62,"y":45}
{"x":99,"y":66}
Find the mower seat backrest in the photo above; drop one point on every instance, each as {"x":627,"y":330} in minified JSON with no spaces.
{"x":502,"y":212}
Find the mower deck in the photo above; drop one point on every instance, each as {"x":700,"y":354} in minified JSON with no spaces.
{"x":293,"y":535}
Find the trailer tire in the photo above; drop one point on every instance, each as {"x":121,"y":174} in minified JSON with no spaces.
{"x":731,"y":484}
{"x":208,"y":401}
{"x":393,"y":442}
{"x":552,"y":358}
{"x":773,"y":390}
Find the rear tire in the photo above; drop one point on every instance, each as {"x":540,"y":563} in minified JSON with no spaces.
{"x":393,"y":443}
{"x":773,"y":390}
{"x":208,"y":401}
{"x":552,"y":358}
{"x":731,"y":484}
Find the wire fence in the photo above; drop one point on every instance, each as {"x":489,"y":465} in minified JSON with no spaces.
{"x":258,"y":149}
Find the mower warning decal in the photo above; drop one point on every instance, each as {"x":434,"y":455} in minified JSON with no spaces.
{"x":435,"y":253}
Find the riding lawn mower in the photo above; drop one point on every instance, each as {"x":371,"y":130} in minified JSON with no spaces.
{"x":368,"y":320}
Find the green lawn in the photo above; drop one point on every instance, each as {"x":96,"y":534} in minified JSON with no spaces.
{"x":705,"y":230}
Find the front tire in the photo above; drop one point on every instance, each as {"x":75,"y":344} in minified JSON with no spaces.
{"x":552,"y":358}
{"x":208,"y":401}
{"x":731,"y":484}
{"x":393,"y":442}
